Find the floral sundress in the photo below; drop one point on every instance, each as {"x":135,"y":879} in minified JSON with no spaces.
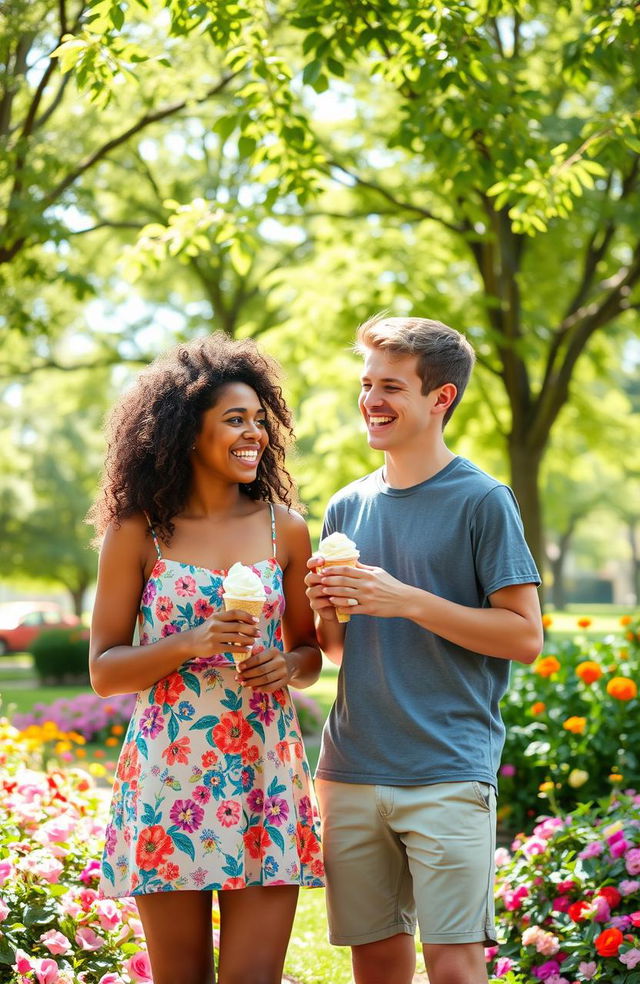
{"x":212,"y":788}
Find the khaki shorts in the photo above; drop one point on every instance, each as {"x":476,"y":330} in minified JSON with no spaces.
{"x":394,"y":853}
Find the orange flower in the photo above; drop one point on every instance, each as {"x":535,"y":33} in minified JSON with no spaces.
{"x":589,"y":671}
{"x":630,"y":636}
{"x":575,"y":724}
{"x":153,"y":847}
{"x":615,"y":777}
{"x":547,"y":666}
{"x":608,"y":942}
{"x":538,"y":708}
{"x":178,"y":751}
{"x":547,"y":621}
{"x":626,"y":620}
{"x":584,"y":622}
{"x":622,"y":688}
{"x":232,"y":733}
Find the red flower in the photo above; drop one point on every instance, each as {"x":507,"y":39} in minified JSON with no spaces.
{"x":164,"y":607}
{"x":232,"y":733}
{"x":235,"y":883}
{"x":153,"y":847}
{"x":168,"y":690}
{"x":128,"y":763}
{"x":611,"y":894}
{"x":178,"y":751}
{"x":307,"y":843}
{"x":576,"y":910}
{"x":283,"y":751}
{"x":608,"y":942}
{"x":256,"y":841}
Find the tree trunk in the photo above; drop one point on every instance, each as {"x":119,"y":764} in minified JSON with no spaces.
{"x":525,"y":482}
{"x":77,"y":598}
{"x":558,"y":594}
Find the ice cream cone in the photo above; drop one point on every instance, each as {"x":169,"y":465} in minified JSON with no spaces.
{"x":342,"y":614}
{"x":253,"y":606}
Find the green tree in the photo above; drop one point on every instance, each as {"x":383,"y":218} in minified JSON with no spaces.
{"x":51,"y":465}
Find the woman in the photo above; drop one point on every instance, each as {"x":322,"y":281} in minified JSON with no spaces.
{"x":212,"y":789}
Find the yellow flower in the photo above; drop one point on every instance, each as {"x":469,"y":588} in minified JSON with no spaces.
{"x":547,"y":621}
{"x":612,"y":829}
{"x":547,"y":666}
{"x":622,"y":688}
{"x":96,"y":769}
{"x":577,"y":778}
{"x":546,"y":787}
{"x":576,"y":725}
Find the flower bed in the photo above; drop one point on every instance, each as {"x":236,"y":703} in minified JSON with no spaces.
{"x":568,"y":899}
{"x":570,"y":720}
{"x":54,"y":929}
{"x":95,"y":717}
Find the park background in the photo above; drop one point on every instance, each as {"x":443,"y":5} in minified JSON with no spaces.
{"x":282,"y":171}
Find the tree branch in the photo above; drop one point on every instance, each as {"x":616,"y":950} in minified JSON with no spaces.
{"x":405,"y":206}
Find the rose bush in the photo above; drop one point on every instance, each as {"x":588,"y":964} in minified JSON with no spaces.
{"x":568,"y":899}
{"x":570,"y":722}
{"x":54,"y":928}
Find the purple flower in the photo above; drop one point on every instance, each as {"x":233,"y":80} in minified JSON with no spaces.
{"x":632,"y":861}
{"x":592,"y":850}
{"x":152,"y":721}
{"x":305,"y":811}
{"x":276,"y":810}
{"x":149,"y":592}
{"x":187,"y":815}
{"x":262,"y":704}
{"x":255,"y":799}
{"x":546,"y":970}
{"x":508,"y":770}
{"x":631,"y":958}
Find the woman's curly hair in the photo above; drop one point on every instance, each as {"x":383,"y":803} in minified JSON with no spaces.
{"x":151,"y":430}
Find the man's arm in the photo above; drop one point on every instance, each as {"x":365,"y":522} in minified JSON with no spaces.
{"x":510,"y":629}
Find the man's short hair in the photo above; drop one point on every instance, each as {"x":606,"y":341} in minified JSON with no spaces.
{"x":443,"y":354}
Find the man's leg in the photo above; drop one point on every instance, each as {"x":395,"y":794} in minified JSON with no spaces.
{"x":369,"y":892}
{"x":390,"y":961}
{"x":455,"y":963}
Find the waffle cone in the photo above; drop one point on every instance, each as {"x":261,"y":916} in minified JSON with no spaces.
{"x":250,"y":605}
{"x":342,"y":614}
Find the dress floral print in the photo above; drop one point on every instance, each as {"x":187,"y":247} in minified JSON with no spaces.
{"x":212,"y":788}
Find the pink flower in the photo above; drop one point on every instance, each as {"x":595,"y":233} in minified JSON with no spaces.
{"x":628,"y":886}
{"x":548,"y":827}
{"x":111,"y":978}
{"x":592,"y":850}
{"x":107,"y":912}
{"x":534,"y":845}
{"x":587,"y":969}
{"x":138,"y":966}
{"x":87,"y":939}
{"x":502,"y":856}
{"x":6,"y":870}
{"x":601,"y":909}
{"x":632,"y":861}
{"x":91,"y":871}
{"x":503,"y":966}
{"x":507,"y":770}
{"x":55,"y":942}
{"x":513,"y":898}
{"x":23,"y":963}
{"x":228,"y":813}
{"x":4,"y":910}
{"x":46,"y":971}
{"x":44,"y":867}
{"x":546,"y":970}
{"x":631,"y":958}
{"x":619,"y":847}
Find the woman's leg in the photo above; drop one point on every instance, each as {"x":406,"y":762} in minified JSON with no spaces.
{"x":255,"y":926}
{"x":179,"y":934}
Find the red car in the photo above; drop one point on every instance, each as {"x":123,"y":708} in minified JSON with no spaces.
{"x":22,"y":621}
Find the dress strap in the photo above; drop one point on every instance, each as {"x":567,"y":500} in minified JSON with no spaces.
{"x":154,"y":535}
{"x":273,"y":528}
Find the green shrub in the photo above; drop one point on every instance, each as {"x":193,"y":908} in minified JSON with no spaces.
{"x":571,"y":723}
{"x":62,"y":656}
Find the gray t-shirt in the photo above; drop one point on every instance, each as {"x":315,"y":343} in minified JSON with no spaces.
{"x":413,"y":708}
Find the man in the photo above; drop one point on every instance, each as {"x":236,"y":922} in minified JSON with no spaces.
{"x":442,"y":599}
